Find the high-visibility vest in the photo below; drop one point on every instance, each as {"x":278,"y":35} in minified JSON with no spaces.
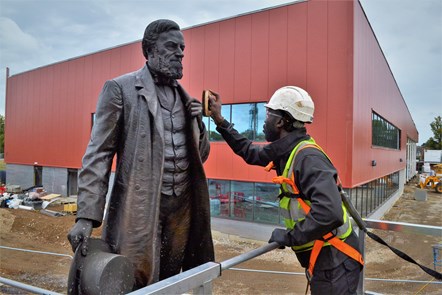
{"x":294,"y":209}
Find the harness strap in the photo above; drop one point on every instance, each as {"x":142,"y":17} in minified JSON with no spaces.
{"x":338,"y":244}
{"x":269,"y":166}
{"x":329,"y":237}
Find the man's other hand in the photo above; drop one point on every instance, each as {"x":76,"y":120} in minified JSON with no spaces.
{"x":280,"y":236}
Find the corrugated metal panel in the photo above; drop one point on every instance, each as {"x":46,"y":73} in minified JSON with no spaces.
{"x":308,"y":44}
{"x":375,"y":90}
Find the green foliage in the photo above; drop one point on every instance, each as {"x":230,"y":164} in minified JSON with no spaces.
{"x":435,"y":142}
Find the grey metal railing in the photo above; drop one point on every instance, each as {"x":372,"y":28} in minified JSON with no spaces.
{"x":187,"y":281}
{"x":199,"y":279}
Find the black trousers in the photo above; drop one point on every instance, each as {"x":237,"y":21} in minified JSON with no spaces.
{"x":341,"y":280}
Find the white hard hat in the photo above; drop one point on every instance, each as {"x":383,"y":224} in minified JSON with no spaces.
{"x":293,"y":100}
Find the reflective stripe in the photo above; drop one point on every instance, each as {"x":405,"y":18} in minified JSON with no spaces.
{"x":291,"y":209}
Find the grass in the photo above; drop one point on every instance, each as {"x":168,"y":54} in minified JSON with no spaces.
{"x":2,"y":164}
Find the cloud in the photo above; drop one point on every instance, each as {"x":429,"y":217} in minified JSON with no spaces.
{"x":410,"y":35}
{"x":15,"y":44}
{"x":37,"y":33}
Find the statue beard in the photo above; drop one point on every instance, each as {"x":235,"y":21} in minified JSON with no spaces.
{"x":166,"y":68}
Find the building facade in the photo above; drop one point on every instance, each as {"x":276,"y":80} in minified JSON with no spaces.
{"x":325,"y":47}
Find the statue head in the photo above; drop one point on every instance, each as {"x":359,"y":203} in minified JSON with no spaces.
{"x":163,"y":46}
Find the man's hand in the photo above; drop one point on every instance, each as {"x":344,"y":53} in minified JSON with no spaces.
{"x":280,"y":236}
{"x":195,"y":108}
{"x":215,"y":107}
{"x":80,"y":232}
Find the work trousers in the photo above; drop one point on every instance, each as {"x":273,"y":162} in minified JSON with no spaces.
{"x":341,"y":280}
{"x":175,"y":215}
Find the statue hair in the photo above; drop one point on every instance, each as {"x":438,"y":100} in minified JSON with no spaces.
{"x":152,"y":32}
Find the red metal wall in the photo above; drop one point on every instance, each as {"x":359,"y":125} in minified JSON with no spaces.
{"x":48,"y":110}
{"x":375,"y":89}
{"x":246,"y":58}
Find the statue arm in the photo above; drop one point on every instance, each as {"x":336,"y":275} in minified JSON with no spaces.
{"x":94,"y":176}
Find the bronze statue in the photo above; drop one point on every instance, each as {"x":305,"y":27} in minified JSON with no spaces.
{"x":158,"y":214}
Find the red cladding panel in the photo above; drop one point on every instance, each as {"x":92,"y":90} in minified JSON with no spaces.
{"x":375,"y":90}
{"x":325,"y":47}
{"x":259,"y":57}
{"x":243,"y":45}
{"x":278,"y":50}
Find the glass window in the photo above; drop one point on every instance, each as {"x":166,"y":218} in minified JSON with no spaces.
{"x":92,"y":120}
{"x":244,"y":118}
{"x":206,"y":121}
{"x":384,"y":134}
{"x":261,"y":116}
{"x":241,"y":199}
{"x":266,"y":203}
{"x":219,"y":197}
{"x":213,"y":134}
{"x":245,"y":200}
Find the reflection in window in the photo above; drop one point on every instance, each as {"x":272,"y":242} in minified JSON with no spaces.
{"x":248,"y":119}
{"x":241,"y":199}
{"x":267,"y":203}
{"x":261,"y":116}
{"x":213,"y":134}
{"x":384,"y":134}
{"x":219,"y":197}
{"x":245,"y":200}
{"x":206,"y":121}
{"x":244,"y":118}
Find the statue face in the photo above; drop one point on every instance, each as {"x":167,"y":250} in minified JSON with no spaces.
{"x":166,"y":57}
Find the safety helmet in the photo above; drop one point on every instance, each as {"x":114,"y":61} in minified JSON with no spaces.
{"x":293,"y":100}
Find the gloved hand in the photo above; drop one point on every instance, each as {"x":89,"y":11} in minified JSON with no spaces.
{"x":281,"y":236}
{"x":80,"y":232}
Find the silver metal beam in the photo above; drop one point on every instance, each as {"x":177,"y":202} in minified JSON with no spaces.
{"x":32,"y":289}
{"x":405,"y":227}
{"x":198,"y":278}
{"x":247,"y":256}
{"x":34,"y":251}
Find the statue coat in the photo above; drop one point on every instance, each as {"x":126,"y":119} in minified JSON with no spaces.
{"x":129,"y":124}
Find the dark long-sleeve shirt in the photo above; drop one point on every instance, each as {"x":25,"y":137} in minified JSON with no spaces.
{"x":315,"y":177}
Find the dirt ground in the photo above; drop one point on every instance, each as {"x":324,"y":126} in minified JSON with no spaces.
{"x":35,"y":231}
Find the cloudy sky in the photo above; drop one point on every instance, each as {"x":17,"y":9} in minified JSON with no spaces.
{"x":35,"y":33}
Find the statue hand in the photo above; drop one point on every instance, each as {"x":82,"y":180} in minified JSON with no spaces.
{"x":195,"y":108}
{"x":80,"y":232}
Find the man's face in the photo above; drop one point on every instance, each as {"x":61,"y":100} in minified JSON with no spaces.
{"x":271,"y":131}
{"x":166,"y":58}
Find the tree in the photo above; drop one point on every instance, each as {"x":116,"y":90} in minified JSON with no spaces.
{"x":435,"y":142}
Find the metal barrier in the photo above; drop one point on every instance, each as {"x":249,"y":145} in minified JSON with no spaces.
{"x":199,"y":279}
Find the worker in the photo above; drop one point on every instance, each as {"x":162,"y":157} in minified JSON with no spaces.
{"x":158,"y":213}
{"x":295,"y":156}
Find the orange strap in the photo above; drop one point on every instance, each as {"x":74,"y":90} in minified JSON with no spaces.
{"x":269,"y":166}
{"x":317,"y":246}
{"x":338,"y":244}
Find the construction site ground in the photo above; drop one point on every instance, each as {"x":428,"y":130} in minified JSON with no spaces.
{"x":35,"y":231}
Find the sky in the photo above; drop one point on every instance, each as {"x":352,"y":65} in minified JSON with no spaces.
{"x":35,"y":33}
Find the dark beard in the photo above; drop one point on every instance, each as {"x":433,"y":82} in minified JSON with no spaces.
{"x":169,"y":70}
{"x":271,"y":134}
